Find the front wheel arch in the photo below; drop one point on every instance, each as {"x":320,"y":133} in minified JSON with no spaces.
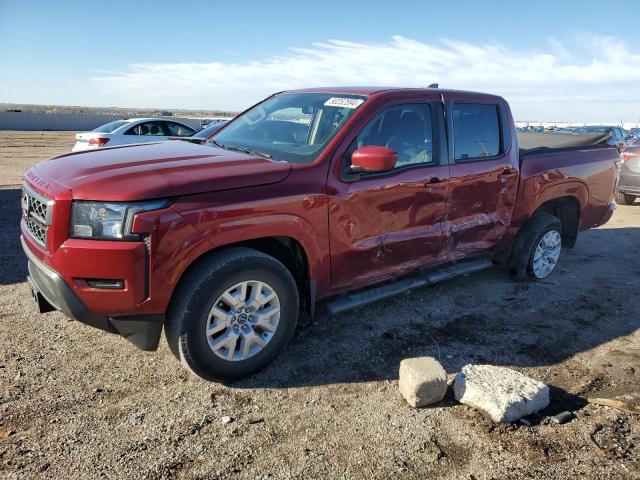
{"x":193,"y":300}
{"x":287,"y":250}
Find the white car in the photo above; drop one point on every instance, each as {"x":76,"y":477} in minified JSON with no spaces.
{"x":132,"y":130}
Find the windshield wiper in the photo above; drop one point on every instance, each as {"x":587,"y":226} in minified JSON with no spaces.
{"x":240,"y":149}
{"x":248,"y":150}
{"x":217,"y":144}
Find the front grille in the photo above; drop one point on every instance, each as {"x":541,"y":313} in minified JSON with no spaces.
{"x":36,"y":212}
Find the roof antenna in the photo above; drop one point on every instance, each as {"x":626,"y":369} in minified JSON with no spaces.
{"x":433,"y":85}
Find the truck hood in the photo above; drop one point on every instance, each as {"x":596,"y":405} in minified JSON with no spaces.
{"x":156,"y":170}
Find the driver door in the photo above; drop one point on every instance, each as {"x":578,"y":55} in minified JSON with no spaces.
{"x":386,"y":224}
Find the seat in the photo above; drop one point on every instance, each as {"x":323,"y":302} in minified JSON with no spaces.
{"x":409,"y":139}
{"x":154,"y":130}
{"x":144,"y":130}
{"x":389,"y":127}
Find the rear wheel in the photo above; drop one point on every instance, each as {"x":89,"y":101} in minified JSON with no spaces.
{"x":232,"y":314}
{"x":537,"y":248}
{"x":624,"y":198}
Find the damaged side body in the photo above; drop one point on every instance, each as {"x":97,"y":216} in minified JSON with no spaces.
{"x":423,"y":214}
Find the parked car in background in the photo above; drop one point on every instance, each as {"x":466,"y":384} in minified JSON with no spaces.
{"x":619,"y":137}
{"x":132,"y":130}
{"x":207,"y":122}
{"x":629,"y":180}
{"x":351,"y":195}
{"x":635,"y":133}
{"x":629,"y":183}
{"x":203,"y":135}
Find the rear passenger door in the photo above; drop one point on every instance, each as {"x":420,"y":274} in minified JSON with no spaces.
{"x":483,"y":176}
{"x":386,"y":224}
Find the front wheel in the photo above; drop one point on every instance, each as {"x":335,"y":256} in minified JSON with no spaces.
{"x":232,"y":314}
{"x":624,"y":198}
{"x":537,"y":248}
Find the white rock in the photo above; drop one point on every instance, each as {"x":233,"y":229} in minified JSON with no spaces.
{"x":226,"y":419}
{"x":423,"y":381}
{"x":506,"y":395}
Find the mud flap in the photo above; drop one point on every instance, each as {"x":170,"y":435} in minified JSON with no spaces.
{"x":143,"y":332}
{"x":42,"y":304}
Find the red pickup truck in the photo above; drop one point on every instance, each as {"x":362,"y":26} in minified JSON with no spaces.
{"x":346,"y":194}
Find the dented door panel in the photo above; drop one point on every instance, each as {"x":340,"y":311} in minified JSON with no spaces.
{"x":481,"y":202}
{"x":482,"y":191}
{"x":387,"y":226}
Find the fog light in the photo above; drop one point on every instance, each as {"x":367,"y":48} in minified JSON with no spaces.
{"x":105,"y":284}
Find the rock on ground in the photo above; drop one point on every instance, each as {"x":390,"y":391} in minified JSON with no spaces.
{"x":505,"y":394}
{"x":423,"y":381}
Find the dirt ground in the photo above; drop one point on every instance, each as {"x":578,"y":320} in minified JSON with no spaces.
{"x":20,"y":150}
{"x":79,"y":403}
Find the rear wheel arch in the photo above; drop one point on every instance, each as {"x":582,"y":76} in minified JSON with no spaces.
{"x":568,"y":210}
{"x":521,"y":261}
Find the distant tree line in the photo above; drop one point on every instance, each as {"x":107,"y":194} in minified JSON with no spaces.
{"x":128,"y":112}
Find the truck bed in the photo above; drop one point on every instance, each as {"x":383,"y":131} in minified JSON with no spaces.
{"x":587,"y":172}
{"x":532,"y":141}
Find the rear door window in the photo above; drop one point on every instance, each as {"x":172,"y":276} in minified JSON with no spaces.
{"x":476,"y":131}
{"x":177,"y":130}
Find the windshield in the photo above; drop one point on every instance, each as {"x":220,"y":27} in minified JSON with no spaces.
{"x":110,"y":127}
{"x":294,"y":127}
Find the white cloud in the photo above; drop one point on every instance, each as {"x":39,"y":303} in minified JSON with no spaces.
{"x":592,"y":79}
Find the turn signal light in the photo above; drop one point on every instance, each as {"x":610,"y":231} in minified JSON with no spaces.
{"x":98,"y":142}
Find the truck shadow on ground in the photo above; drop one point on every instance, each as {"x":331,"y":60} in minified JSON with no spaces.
{"x":484,"y":318}
{"x":13,"y":263}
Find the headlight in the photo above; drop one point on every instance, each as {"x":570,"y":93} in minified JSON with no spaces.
{"x":108,"y":221}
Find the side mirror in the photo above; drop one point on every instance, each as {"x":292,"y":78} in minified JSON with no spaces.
{"x":373,"y":158}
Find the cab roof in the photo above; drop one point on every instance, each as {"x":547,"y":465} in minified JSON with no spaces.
{"x":376,"y":90}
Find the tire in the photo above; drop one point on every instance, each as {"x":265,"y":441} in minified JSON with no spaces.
{"x":624,"y":198}
{"x":190,"y":314}
{"x":521,"y":264}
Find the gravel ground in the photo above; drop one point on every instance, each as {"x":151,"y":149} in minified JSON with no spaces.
{"x":79,"y":403}
{"x":19,"y":150}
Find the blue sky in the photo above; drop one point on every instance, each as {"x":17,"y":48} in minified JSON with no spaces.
{"x":577,"y":61}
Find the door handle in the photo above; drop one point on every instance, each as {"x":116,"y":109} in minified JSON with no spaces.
{"x":508,"y":172}
{"x":434,"y":184}
{"x":433,"y":181}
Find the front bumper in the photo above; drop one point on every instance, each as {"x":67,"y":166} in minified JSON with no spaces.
{"x":53,"y":293}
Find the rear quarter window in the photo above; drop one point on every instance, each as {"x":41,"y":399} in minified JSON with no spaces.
{"x":476,"y":131}
{"x":110,"y":127}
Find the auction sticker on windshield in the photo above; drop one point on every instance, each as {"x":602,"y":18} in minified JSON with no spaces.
{"x":343,"y":102}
